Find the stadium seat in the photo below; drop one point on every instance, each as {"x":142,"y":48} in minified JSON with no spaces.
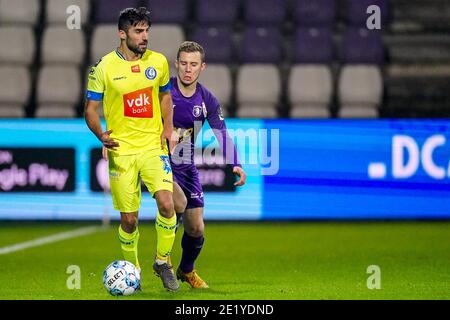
{"x":318,"y":13}
{"x":19,"y":12}
{"x":217,"y":12}
{"x":418,"y":49}
{"x":258,"y":91}
{"x":162,"y":12}
{"x":15,"y":92}
{"x":360,"y":45}
{"x":358,"y":112}
{"x":310,"y":90}
{"x":217,"y":43}
{"x":313,"y":45}
{"x":56,"y":10}
{"x":166,"y":39}
{"x":104,"y":40}
{"x":20,"y":48}
{"x":261,"y":45}
{"x":58,"y":91}
{"x":217,"y":79}
{"x":310,"y":83}
{"x":107,"y":11}
{"x":61,"y":45}
{"x":417,"y":90}
{"x":360,"y":91}
{"x":412,"y":16}
{"x":355,"y":11}
{"x":265,"y":12}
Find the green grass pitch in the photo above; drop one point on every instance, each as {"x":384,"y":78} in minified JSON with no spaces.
{"x":301,"y":260}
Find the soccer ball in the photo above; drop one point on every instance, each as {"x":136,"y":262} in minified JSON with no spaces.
{"x":121,"y":278}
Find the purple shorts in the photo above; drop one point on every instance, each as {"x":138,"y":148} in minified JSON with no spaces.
{"x":187,"y":176}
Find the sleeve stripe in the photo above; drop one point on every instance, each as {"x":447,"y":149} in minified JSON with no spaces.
{"x":92,"y":95}
{"x":165,"y":88}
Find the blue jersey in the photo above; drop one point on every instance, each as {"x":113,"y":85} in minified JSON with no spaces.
{"x":190,"y":113}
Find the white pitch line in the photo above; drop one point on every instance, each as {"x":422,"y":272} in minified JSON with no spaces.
{"x":50,"y":239}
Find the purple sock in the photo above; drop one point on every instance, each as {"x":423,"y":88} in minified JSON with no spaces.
{"x":191,"y":249}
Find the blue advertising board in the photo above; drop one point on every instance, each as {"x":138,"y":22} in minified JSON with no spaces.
{"x":297,"y":169}
{"x":360,"y":169}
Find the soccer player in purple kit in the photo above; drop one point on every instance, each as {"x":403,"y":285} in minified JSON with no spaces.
{"x":193,"y":105}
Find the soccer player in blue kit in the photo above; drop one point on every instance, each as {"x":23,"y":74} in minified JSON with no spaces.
{"x":193,"y":105}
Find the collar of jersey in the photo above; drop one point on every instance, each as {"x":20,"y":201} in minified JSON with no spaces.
{"x":121,"y":56}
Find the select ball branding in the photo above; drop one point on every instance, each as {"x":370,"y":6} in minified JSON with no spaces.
{"x":114,"y":278}
{"x":37,"y":169}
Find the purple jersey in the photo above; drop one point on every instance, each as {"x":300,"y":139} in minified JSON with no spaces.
{"x":190,"y":114}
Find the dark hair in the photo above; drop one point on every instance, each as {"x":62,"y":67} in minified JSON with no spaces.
{"x":191,"y":46}
{"x":132,"y":17}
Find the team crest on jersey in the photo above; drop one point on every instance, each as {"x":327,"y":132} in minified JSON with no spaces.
{"x":166,"y":164}
{"x":150,"y":73}
{"x":197,"y":111}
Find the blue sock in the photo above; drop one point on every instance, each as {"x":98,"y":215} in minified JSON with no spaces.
{"x":191,"y":249}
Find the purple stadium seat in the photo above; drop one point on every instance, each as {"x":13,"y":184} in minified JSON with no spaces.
{"x":173,"y":11}
{"x":216,"y":42}
{"x":313,"y":45}
{"x":264,"y":12}
{"x":261,"y":45}
{"x":107,"y":11}
{"x":217,"y":12}
{"x":356,"y":11}
{"x":315,"y":13}
{"x":360,"y":45}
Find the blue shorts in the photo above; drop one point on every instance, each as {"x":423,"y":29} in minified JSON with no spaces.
{"x":187,"y":177}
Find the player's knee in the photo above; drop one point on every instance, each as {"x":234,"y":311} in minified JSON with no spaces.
{"x":128,"y":222}
{"x":196,"y":230}
{"x":166,"y":208}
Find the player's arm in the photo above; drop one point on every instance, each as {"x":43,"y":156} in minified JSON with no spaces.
{"x":217,"y":122}
{"x":93,"y":122}
{"x":94,"y":96}
{"x":165,"y":99}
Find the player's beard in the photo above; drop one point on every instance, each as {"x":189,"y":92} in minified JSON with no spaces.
{"x":135,"y":48}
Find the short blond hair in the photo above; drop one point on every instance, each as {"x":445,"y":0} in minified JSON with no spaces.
{"x":191,"y":46}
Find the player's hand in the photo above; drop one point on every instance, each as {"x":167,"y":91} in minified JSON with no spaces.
{"x":241,"y":174}
{"x":105,"y":153}
{"x":107,"y":141}
{"x":170,"y":135}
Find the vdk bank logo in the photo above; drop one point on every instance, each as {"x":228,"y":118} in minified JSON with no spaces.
{"x":138,"y":104}
{"x":408,"y":156}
